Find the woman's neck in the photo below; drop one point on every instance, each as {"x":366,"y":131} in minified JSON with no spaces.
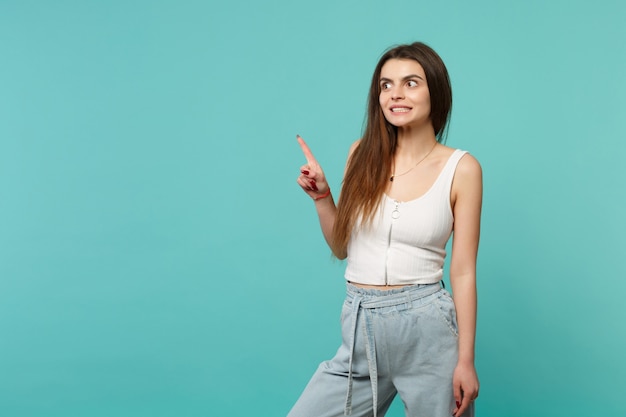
{"x":413,"y":143}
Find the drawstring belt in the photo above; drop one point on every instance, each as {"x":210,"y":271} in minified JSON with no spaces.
{"x":370,"y":348}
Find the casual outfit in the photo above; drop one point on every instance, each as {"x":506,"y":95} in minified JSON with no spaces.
{"x":399,"y":341}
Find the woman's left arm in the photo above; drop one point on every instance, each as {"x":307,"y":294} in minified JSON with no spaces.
{"x":466,"y":196}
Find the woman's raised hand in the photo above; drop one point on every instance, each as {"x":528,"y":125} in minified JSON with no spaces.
{"x":312,"y":179}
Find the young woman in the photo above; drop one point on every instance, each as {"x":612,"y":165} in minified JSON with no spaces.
{"x":403,"y":195}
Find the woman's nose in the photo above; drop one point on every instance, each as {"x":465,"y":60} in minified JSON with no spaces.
{"x":397,"y":93}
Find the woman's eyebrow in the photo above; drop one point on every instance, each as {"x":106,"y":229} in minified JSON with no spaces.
{"x":408,"y":77}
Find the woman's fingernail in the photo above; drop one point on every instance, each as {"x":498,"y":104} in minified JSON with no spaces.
{"x":458,"y":404}
{"x":314,"y":186}
{"x":305,"y":172}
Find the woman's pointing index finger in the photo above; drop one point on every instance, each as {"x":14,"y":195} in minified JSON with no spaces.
{"x":310,"y":159}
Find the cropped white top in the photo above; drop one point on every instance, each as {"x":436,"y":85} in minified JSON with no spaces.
{"x":405,"y":244}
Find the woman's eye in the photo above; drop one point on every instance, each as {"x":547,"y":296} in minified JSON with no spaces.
{"x":412,"y":83}
{"x":385,"y":86}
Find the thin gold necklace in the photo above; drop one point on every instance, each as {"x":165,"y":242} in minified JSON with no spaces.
{"x":412,"y":168}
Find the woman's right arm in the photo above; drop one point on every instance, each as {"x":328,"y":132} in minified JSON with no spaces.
{"x":313,"y":181}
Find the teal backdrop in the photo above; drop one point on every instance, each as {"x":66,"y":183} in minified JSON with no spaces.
{"x":158,"y":259}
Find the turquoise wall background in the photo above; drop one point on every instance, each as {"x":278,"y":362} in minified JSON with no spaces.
{"x":158,"y":259}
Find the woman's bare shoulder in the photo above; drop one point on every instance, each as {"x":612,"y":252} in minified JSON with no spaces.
{"x":468,"y":177}
{"x":469,"y":166}
{"x":354,"y":145}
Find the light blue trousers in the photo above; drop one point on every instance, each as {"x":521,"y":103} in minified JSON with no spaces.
{"x":401,"y":341}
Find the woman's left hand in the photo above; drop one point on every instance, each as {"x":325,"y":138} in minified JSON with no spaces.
{"x":312,"y":178}
{"x":465,"y":385}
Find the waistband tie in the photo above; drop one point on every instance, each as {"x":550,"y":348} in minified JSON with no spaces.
{"x":370,"y":350}
{"x":359,"y":303}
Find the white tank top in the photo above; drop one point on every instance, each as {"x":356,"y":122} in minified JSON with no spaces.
{"x":405,"y":244}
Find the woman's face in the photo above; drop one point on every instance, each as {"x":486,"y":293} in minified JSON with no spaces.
{"x":404,"y":96}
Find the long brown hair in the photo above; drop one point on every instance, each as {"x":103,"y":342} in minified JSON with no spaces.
{"x":369,"y":167}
